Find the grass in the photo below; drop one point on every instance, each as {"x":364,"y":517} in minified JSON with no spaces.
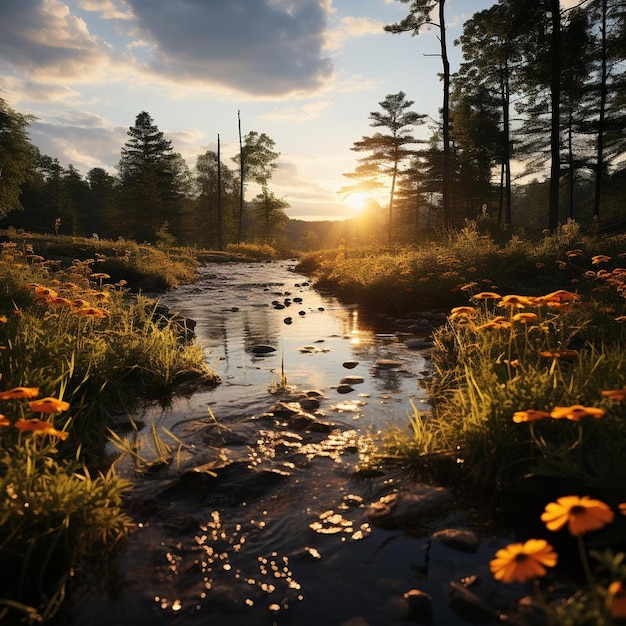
{"x":528,"y":389}
{"x":73,"y":333}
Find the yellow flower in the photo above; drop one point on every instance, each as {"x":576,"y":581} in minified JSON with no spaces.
{"x":575,"y":412}
{"x":94,"y":312}
{"x":487,"y":295}
{"x":522,"y":561}
{"x":516,"y":302}
{"x":580,"y":514}
{"x":40,"y":427}
{"x":4,"y":319}
{"x":600,"y":258}
{"x":617,"y":599}
{"x":619,"y":395}
{"x":525,"y":318}
{"x":561,"y":295}
{"x":60,"y":302}
{"x":45,"y":292}
{"x":49,"y":405}
{"x":100,"y":275}
{"x":4,"y":421}
{"x":529,"y":415}
{"x":20,"y":393}
{"x":463,"y":311}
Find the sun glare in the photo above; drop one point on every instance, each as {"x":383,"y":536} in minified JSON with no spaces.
{"x":356,"y":201}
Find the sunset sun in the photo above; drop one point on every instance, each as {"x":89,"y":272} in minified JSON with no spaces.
{"x":356,"y":201}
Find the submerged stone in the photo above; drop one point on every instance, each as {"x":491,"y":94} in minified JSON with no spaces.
{"x":263,"y":349}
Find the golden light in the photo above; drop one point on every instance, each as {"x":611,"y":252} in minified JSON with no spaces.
{"x":356,"y":201}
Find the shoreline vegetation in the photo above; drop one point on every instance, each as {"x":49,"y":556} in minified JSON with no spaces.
{"x":528,"y":392}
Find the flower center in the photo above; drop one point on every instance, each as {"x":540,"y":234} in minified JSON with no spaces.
{"x":520,"y":558}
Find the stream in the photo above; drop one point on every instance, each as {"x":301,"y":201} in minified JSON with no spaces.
{"x":261,"y":515}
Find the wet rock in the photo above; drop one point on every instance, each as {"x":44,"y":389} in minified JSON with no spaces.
{"x":310,"y":404}
{"x":405,"y":509}
{"x":288,"y":320}
{"x":388,"y":364}
{"x":229,"y":484}
{"x":419,"y":343}
{"x":349,"y":365}
{"x":262,"y":349}
{"x":470,"y":606}
{"x":344,"y":388}
{"x":419,"y":605}
{"x":457,"y":539}
{"x":302,"y":313}
{"x":352,"y":380}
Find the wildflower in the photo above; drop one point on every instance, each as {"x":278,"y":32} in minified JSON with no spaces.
{"x":564,"y":353}
{"x":487,"y":295}
{"x":45,"y":292}
{"x":49,"y":405}
{"x":463,"y":311}
{"x":469,"y":286}
{"x":94,"y":312}
{"x":560,"y":264}
{"x":580,"y":514}
{"x":100,"y":296}
{"x":617,"y":599}
{"x":525,"y":318}
{"x":71,"y":286}
{"x":576,"y":412}
{"x":100,"y":275}
{"x":529,"y":415}
{"x":20,"y":393}
{"x":619,"y":395}
{"x":4,"y":421}
{"x":600,"y":258}
{"x":522,"y":561}
{"x":561,"y":295}
{"x":573,"y":253}
{"x":60,"y":302}
{"x":4,"y":319}
{"x":40,"y":427}
{"x":516,"y":302}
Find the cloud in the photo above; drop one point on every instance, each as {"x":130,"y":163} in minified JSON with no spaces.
{"x":261,"y":47}
{"x":83,"y":139}
{"x":44,"y":40}
{"x":107,"y":9}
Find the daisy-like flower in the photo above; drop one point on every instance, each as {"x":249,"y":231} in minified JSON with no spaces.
{"x":561,"y":295}
{"x":4,"y":421}
{"x":579,"y":514}
{"x":600,"y":258}
{"x":487,"y":295}
{"x":529,"y":415}
{"x":100,"y":275}
{"x":622,"y":508}
{"x":40,"y":427}
{"x":49,"y":405}
{"x":58,"y":301}
{"x":525,"y":318}
{"x":564,"y":353}
{"x":463,"y":311}
{"x":619,"y":395}
{"x":575,"y":412}
{"x":617,"y":599}
{"x":20,"y":393}
{"x":520,"y":562}
{"x":573,"y":253}
{"x":45,"y":292}
{"x":95,"y":312}
{"x":516,"y":302}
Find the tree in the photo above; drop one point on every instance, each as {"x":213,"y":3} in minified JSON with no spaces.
{"x":420,"y":13}
{"x":389,"y":150}
{"x":153,"y":180}
{"x":256,"y":161}
{"x":16,"y":157}
{"x":271,"y":220}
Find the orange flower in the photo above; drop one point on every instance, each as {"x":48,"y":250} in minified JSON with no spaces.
{"x":4,"y":421}
{"x":94,"y":312}
{"x":463,"y":311}
{"x":100,"y":275}
{"x":573,"y":253}
{"x":20,"y":393}
{"x":49,"y":405}
{"x":487,"y":295}
{"x":580,"y":514}
{"x":622,"y":508}
{"x":4,"y":319}
{"x":525,"y":318}
{"x":617,"y":599}
{"x":516,"y":302}
{"x":40,"y":427}
{"x":60,"y":302}
{"x":71,"y":286}
{"x":45,"y":292}
{"x":575,"y":412}
{"x":530,"y":415}
{"x":561,"y":295}
{"x":600,"y":258}
{"x":565,"y":353}
{"x":619,"y":395}
{"x":523,"y":561}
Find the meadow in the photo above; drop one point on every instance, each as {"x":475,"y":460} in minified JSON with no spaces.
{"x":527,"y":392}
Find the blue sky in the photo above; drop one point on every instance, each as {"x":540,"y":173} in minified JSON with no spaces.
{"x":305,"y":72}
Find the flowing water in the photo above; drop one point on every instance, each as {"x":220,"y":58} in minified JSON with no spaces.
{"x":281,"y":536}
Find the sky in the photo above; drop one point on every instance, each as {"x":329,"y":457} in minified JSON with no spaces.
{"x":305,"y":72}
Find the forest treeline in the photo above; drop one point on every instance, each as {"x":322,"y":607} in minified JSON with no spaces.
{"x":540,"y":95}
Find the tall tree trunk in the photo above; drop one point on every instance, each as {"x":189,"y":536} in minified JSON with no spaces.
{"x":555,"y":100}
{"x":603,"y":94}
{"x":447,"y":182}
{"x":241,"y":181}
{"x":220,"y":228}
{"x":506,"y":122}
{"x":391,"y":194}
